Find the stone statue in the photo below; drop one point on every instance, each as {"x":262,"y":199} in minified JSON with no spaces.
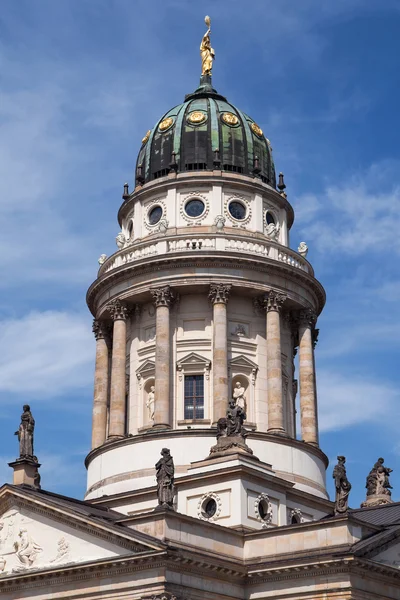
{"x":342,"y":487}
{"x":26,"y":549}
{"x":25,"y":434}
{"x":231,"y":435}
{"x":206,"y":52}
{"x":150,"y":403}
{"x":272,"y":231}
{"x":165,"y":479}
{"x":238,"y":395}
{"x":302,"y":249}
{"x":102,"y":259}
{"x":120,"y":240}
{"x":378,"y":480}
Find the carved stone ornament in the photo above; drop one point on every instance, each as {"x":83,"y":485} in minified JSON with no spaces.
{"x":342,"y":487}
{"x":219,"y":222}
{"x":219,"y":293}
{"x":302,"y":249}
{"x":163,"y":296}
{"x":162,"y":596}
{"x":378,"y":485}
{"x":231,"y":435}
{"x":307,"y":317}
{"x":101,"y":329}
{"x":263,"y":509}
{"x":272,"y":231}
{"x":27,"y":550}
{"x":202,"y":504}
{"x":102,"y":259}
{"x":163,"y":226}
{"x":273,"y":301}
{"x":118,"y":310}
{"x":165,"y":470}
{"x":62,"y":551}
{"x":120,"y":240}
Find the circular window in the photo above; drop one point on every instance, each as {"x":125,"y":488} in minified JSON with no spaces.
{"x":237,"y":210}
{"x":194,"y":208}
{"x":155,"y":215}
{"x":209,"y":508}
{"x":269,"y":218}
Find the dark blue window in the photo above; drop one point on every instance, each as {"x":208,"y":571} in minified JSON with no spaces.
{"x":194,"y":397}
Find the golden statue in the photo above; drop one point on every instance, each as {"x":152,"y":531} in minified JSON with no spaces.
{"x":206,"y":52}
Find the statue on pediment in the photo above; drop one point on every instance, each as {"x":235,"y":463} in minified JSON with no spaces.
{"x":378,"y":480}
{"x":25,"y":434}
{"x":342,"y":487}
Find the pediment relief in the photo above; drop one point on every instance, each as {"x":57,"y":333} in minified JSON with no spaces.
{"x":36,"y":536}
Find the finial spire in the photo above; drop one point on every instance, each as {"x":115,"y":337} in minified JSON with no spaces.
{"x":206,"y":52}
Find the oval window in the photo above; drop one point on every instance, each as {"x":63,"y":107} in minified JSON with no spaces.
{"x":237,"y":210}
{"x":269,"y":218}
{"x":209,"y":508}
{"x":194,"y":208}
{"x":155,"y":215}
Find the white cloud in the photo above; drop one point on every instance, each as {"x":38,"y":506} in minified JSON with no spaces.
{"x":354,"y":218}
{"x":45,"y":354}
{"x":348,"y":401}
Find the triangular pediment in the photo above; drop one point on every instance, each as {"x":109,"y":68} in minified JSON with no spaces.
{"x":147,"y":367}
{"x":242,"y":362}
{"x":39,"y":530}
{"x":193,"y":359}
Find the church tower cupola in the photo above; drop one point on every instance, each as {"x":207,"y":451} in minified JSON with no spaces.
{"x":199,"y":315}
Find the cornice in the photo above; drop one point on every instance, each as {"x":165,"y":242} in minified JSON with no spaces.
{"x":205,"y":177}
{"x":219,"y":261}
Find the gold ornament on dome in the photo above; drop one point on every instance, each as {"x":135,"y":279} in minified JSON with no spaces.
{"x":146,"y":137}
{"x":206,"y":52}
{"x":256,"y":129}
{"x":166,"y":124}
{"x":230,"y":118}
{"x":196,"y":117}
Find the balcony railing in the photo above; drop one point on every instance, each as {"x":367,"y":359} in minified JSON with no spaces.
{"x":194,"y":243}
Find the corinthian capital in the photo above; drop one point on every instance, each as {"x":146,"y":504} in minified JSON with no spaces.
{"x":163,"y":296}
{"x":118,"y":310}
{"x":307,"y":317}
{"x":219,"y":293}
{"x":273,"y":301}
{"x":101,"y":329}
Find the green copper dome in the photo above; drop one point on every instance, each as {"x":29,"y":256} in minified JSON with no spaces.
{"x":205,"y":133}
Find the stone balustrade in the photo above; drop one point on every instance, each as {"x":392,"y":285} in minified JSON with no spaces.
{"x":206,"y":243}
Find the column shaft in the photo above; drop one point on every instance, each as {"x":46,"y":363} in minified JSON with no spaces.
{"x":100,"y":398}
{"x":117,"y":424}
{"x":163,"y":297}
{"x":219,"y":294}
{"x":308,"y":410}
{"x":274,"y":303}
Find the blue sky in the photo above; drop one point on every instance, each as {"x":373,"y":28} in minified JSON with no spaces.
{"x":81,"y":81}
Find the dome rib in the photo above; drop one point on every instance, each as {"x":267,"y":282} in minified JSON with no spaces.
{"x":194,"y":143}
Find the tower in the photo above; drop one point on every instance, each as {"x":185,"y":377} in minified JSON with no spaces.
{"x":198,"y":316}
{"x":202,"y":303}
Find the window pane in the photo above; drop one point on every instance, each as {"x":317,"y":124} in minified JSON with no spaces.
{"x":194,"y":397}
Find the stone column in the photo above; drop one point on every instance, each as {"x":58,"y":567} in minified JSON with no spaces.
{"x":218,"y":295}
{"x":117,"y":424}
{"x":308,"y":408}
{"x":273,"y":303}
{"x":100,"y":398}
{"x":163,"y":298}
